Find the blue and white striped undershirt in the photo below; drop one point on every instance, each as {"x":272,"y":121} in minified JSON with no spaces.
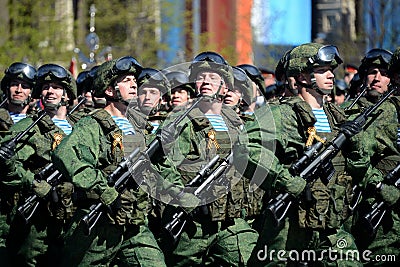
{"x":155,"y":126}
{"x":124,"y":124}
{"x":217,"y":122}
{"x":16,"y":117}
{"x":322,"y":124}
{"x":63,"y":125}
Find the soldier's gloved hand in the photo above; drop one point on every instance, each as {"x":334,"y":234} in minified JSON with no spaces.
{"x":108,"y":196}
{"x":390,"y":194}
{"x":350,"y":128}
{"x":41,"y":188}
{"x":296,"y":185}
{"x":7,"y":151}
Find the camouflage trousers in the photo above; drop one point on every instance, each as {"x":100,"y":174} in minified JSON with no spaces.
{"x":383,"y":247}
{"x":212,"y":243}
{"x":37,"y":243}
{"x":290,"y":245}
{"x":110,"y":245}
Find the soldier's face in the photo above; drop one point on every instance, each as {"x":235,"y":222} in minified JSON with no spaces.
{"x":19,"y":90}
{"x":127,"y":86}
{"x":179,"y":97}
{"x":232,"y":97}
{"x":149,"y":97}
{"x":378,"y":79}
{"x":53,"y":93}
{"x":208,"y":83}
{"x":324,"y":77}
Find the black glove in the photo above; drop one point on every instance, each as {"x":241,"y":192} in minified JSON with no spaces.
{"x":7,"y":151}
{"x":351,"y":128}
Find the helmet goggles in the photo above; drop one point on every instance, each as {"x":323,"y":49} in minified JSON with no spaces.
{"x":126,"y":64}
{"x":378,"y":53}
{"x":239,"y":75}
{"x":210,"y":57}
{"x":53,"y":70}
{"x":21,"y":68}
{"x":178,"y":78}
{"x":326,"y":55}
{"x":152,"y":76}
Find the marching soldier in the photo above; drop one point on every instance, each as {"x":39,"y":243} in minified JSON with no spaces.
{"x":38,"y":240}
{"x":99,"y":142}
{"x":314,"y":222}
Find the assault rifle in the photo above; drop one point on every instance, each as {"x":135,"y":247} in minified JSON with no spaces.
{"x":49,"y":174}
{"x":175,"y":227}
{"x":279,"y":206}
{"x":373,"y":219}
{"x":52,"y":176}
{"x":362,"y":93}
{"x":125,"y":170}
{"x":318,"y":165}
{"x":11,"y":144}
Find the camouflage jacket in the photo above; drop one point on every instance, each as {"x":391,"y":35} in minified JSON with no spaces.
{"x":374,"y":152}
{"x":276,"y":139}
{"x":196,"y":145}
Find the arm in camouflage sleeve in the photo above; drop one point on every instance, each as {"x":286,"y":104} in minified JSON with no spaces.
{"x":16,"y":170}
{"x":77,"y":157}
{"x":377,"y":141}
{"x":272,"y":143}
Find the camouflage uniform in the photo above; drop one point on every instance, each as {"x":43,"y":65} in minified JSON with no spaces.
{"x":31,"y":244}
{"x":375,"y":153}
{"x":311,"y":224}
{"x":86,"y":158}
{"x":217,"y":233}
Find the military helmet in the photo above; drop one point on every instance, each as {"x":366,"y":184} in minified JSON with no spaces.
{"x":280,"y":69}
{"x":375,"y":57}
{"x":394,"y":65}
{"x":84,"y":81}
{"x":55,"y":73}
{"x":180,"y":79}
{"x":305,"y":57}
{"x":109,"y":71}
{"x":18,"y":70}
{"x":341,"y":87}
{"x":150,"y":77}
{"x":244,"y":84}
{"x":255,"y":75}
{"x":211,"y":61}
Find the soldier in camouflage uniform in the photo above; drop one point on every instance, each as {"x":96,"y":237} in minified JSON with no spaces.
{"x":38,"y":241}
{"x":97,"y":145}
{"x":182,"y":90}
{"x":17,"y":85}
{"x":218,"y":233}
{"x":373,"y":155}
{"x":243,"y":96}
{"x":313,"y":222}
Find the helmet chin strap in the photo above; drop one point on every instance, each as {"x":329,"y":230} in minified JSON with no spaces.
{"x":119,"y":97}
{"x":63,"y":102}
{"x":314,"y":85}
{"x":216,"y":96}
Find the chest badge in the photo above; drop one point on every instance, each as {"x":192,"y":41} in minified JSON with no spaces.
{"x":212,"y":140}
{"x":57,"y":140}
{"x":117,"y":142}
{"x":312,"y":134}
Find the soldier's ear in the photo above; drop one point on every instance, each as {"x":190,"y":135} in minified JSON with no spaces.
{"x":109,"y":91}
